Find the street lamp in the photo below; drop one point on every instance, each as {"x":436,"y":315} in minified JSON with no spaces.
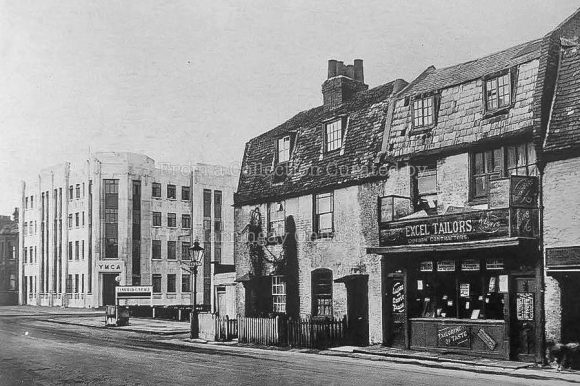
{"x":196,"y":259}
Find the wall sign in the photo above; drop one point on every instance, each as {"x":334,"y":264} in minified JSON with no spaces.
{"x":487,"y":339}
{"x":464,"y":290}
{"x":446,"y":266}
{"x":503,"y":283}
{"x":494,"y":263}
{"x":525,"y":306}
{"x":453,"y":336}
{"x":524,"y":191}
{"x":111,"y":266}
{"x":470,"y":265}
{"x":398,"y":297}
{"x":426,"y":266}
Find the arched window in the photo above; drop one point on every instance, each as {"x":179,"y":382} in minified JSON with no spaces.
{"x":322,"y":292}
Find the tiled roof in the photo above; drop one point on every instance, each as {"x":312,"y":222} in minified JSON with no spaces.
{"x":564,"y":128}
{"x":10,"y":228}
{"x":436,"y":79}
{"x":366,"y":113}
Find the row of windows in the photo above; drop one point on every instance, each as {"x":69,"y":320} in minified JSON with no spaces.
{"x":497,"y":96}
{"x":76,"y":220}
{"x":171,"y":250}
{"x":321,"y":282}
{"x":29,"y":255}
{"x":74,"y":191}
{"x":172,"y":220}
{"x":171,"y":283}
{"x":29,"y":203}
{"x":29,"y":228}
{"x":78,"y":252}
{"x":171,"y":191}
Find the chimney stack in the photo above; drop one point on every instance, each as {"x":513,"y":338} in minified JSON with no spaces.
{"x":343,"y":83}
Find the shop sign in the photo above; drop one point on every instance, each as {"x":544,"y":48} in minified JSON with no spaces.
{"x":426,"y":266}
{"x":525,"y":306}
{"x":453,"y":336}
{"x":398,"y":297}
{"x":487,"y":339}
{"x":524,"y":191}
{"x":464,"y":290}
{"x":470,"y":265}
{"x":110,"y":266}
{"x":446,"y":266}
{"x":563,"y":256}
{"x":469,"y":226}
{"x":503,"y":283}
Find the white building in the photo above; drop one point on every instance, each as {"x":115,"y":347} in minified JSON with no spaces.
{"x":120,"y":220}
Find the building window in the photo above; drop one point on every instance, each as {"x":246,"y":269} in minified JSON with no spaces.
{"x":185,"y":250}
{"x":333,"y":135}
{"x":171,"y":282}
{"x":423,"y":112}
{"x":186,"y":221}
{"x":508,"y":160}
{"x":284,"y":149}
{"x":70,"y":221}
{"x":77,"y":219}
{"x":425,"y":188}
{"x":278,"y":294}
{"x":185,"y":283}
{"x":324,"y":213}
{"x":70,"y":192}
{"x":83,"y":249}
{"x":25,"y":228}
{"x":25,"y":257}
{"x":70,"y":250}
{"x":276,"y":219}
{"x":171,"y":246}
{"x":83,"y":218}
{"x":156,"y":249}
{"x":78,"y":191}
{"x":156,"y":219}
{"x":171,"y":220}
{"x":217,"y":227}
{"x":111,"y":219}
{"x":12,"y":286}
{"x":497,"y":92}
{"x":69,"y":283}
{"x":77,"y":250}
{"x":76,"y":283}
{"x":185,"y":193}
{"x":26,"y":203}
{"x":31,"y":202}
{"x":322,"y":292}
{"x":156,"y":281}
{"x":171,"y":192}
{"x":156,"y":190}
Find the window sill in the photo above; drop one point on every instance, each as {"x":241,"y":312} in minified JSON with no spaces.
{"x":496,"y":112}
{"x":172,"y":198}
{"x":156,"y":226}
{"x":421,"y":129}
{"x":156,"y":197}
{"x":322,"y":236}
{"x":477,"y":201}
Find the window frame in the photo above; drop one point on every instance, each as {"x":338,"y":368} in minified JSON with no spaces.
{"x":173,"y":281}
{"x":417,"y":195}
{"x":414,"y":117}
{"x":156,"y":219}
{"x":494,"y":78}
{"x":271,"y":222}
{"x":186,"y":282}
{"x":156,"y":187}
{"x":316,"y":276}
{"x":288,"y":150}
{"x":279,"y":294}
{"x":170,"y":217}
{"x":339,"y":140}
{"x":317,"y":233}
{"x":186,"y":221}
{"x":156,"y":246}
{"x":171,"y":250}
{"x":171,"y":192}
{"x":185,"y":197}
{"x":156,"y":289}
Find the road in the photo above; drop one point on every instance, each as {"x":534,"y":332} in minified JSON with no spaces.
{"x":33,"y":351}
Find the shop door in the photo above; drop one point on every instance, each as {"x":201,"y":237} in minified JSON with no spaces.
{"x":524,"y":327}
{"x":358,"y":310}
{"x":570,"y":285}
{"x":109,"y":284}
{"x":398,"y":313}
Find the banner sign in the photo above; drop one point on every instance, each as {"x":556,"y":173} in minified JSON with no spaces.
{"x":453,"y":336}
{"x":487,"y":339}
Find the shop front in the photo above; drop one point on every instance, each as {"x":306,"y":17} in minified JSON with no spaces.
{"x":463,"y":282}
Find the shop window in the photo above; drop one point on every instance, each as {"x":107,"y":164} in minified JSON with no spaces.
{"x":322,"y":292}
{"x":278,"y":294}
{"x":324,"y":214}
{"x":276,"y":219}
{"x":519,"y":159}
{"x":156,"y":281}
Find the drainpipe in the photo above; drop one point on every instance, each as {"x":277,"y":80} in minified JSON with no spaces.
{"x":541,"y":335}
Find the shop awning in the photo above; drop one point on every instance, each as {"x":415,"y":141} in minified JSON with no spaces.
{"x":444,"y":247}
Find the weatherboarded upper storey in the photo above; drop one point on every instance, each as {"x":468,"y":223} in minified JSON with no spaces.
{"x":325,"y":147}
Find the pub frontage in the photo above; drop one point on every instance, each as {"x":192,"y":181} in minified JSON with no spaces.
{"x":466,"y":281}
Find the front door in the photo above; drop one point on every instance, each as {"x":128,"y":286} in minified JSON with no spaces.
{"x":523,"y":317}
{"x":109,"y":284}
{"x":570,"y":284}
{"x":358,"y":310}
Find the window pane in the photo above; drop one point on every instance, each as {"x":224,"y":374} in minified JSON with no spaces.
{"x":511,"y":157}
{"x":427,"y":182}
{"x":480,"y":186}
{"x":323,"y":205}
{"x":479,"y":166}
{"x":325,"y":222}
{"x":497,"y":161}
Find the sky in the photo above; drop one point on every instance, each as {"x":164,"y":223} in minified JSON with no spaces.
{"x":192,"y":81}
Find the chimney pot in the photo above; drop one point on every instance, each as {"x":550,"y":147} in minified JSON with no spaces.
{"x":358,"y":70}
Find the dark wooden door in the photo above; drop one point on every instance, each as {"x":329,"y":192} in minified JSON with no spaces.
{"x":570,"y":284}
{"x":109,"y":284}
{"x":358,"y":310}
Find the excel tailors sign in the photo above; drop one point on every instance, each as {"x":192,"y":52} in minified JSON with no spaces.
{"x":468,"y":226}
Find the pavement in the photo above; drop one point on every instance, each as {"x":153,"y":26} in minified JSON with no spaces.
{"x":180,"y":330}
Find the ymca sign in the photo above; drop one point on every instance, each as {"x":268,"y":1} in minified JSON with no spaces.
{"x":110,"y":266}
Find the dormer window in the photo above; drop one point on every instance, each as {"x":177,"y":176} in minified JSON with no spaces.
{"x":498,"y":92}
{"x":423,"y":112}
{"x":333,"y":135}
{"x":284,"y":149}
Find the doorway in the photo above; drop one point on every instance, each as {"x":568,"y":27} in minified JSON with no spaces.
{"x":357,"y":304}
{"x":109,"y":284}
{"x":570,"y":296}
{"x":523,"y":318}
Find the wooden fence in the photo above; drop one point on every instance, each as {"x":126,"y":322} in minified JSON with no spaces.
{"x":212,"y":327}
{"x":305,"y":332}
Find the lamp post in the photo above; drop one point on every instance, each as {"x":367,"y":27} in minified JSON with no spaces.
{"x":196,"y":258}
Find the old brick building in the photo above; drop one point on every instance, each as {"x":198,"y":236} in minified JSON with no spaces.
{"x":561,"y":208}
{"x":120,"y":219}
{"x":310,"y":186}
{"x":9,"y":260}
